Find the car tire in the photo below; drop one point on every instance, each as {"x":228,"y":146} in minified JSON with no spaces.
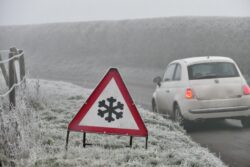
{"x":154,"y":107}
{"x":245,"y":122}
{"x":179,"y":118}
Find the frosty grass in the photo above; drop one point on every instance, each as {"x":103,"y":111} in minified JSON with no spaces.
{"x":54,"y":104}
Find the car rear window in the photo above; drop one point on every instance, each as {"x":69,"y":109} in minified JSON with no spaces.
{"x":212,"y":70}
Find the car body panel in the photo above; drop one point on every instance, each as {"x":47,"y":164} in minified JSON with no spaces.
{"x":187,"y":106}
{"x":219,"y":88}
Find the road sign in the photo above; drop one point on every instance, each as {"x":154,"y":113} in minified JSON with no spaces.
{"x":110,"y":110}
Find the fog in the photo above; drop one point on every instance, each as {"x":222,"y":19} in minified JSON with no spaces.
{"x":81,"y":52}
{"x":13,"y":12}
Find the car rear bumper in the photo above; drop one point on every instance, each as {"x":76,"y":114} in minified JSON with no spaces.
{"x":225,"y":108}
{"x":217,"y":110}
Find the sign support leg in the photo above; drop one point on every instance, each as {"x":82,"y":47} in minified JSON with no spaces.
{"x":146,"y":145}
{"x":130,"y":142}
{"x":67,"y":140}
{"x":84,"y":140}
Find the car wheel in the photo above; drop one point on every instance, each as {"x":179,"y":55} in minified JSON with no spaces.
{"x":177,"y":115}
{"x":180,"y":119}
{"x":245,"y":122}
{"x":154,"y":107}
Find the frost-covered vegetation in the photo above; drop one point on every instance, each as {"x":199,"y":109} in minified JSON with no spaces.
{"x":41,"y":120}
{"x":3,"y":87}
{"x":19,"y":132}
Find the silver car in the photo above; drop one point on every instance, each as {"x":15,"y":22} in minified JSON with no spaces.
{"x":202,"y":88}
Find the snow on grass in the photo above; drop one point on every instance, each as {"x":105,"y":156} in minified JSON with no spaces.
{"x":3,"y":87}
{"x":58,"y":102}
{"x":19,"y":132}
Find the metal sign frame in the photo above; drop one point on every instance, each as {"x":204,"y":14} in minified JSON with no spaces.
{"x":74,"y":124}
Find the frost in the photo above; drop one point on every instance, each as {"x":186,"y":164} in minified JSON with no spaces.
{"x":43,"y":132}
{"x":19,"y":132}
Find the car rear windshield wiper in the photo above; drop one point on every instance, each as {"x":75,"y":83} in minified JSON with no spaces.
{"x":206,"y":76}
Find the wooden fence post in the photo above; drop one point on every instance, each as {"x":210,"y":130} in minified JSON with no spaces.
{"x":12,"y":97}
{"x":15,"y":51}
{"x":21,"y":65}
{"x":5,"y":75}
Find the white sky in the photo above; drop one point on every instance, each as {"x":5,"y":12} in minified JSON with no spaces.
{"x":14,"y":12}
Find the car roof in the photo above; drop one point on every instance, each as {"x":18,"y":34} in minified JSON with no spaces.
{"x":204,"y":59}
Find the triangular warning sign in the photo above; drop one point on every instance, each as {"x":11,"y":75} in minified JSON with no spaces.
{"x":109,"y":109}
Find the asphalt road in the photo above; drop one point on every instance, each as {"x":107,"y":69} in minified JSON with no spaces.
{"x":227,"y":139}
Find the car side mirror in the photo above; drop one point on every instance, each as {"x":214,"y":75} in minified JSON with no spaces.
{"x":157,"y":80}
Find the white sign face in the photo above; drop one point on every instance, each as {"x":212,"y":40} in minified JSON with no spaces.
{"x":110,"y":110}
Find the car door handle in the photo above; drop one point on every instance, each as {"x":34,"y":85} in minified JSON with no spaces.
{"x":167,"y":91}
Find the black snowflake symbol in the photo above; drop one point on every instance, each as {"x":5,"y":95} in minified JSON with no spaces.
{"x":110,"y":109}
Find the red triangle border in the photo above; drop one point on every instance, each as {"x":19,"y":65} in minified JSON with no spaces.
{"x":112,"y":73}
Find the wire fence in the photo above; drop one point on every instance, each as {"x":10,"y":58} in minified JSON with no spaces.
{"x":13,"y":76}
{"x":12,"y":58}
{"x":13,"y":86}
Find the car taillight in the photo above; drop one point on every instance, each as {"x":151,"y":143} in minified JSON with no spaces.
{"x":189,"y":93}
{"x":246,"y":90}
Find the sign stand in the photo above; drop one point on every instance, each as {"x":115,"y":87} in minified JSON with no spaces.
{"x":84,"y":141}
{"x":130,"y":142}
{"x":67,"y":140}
{"x":109,"y":110}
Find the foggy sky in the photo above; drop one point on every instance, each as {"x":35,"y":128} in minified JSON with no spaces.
{"x":13,"y":12}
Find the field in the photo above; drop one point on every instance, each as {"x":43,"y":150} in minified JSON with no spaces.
{"x":43,"y":114}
